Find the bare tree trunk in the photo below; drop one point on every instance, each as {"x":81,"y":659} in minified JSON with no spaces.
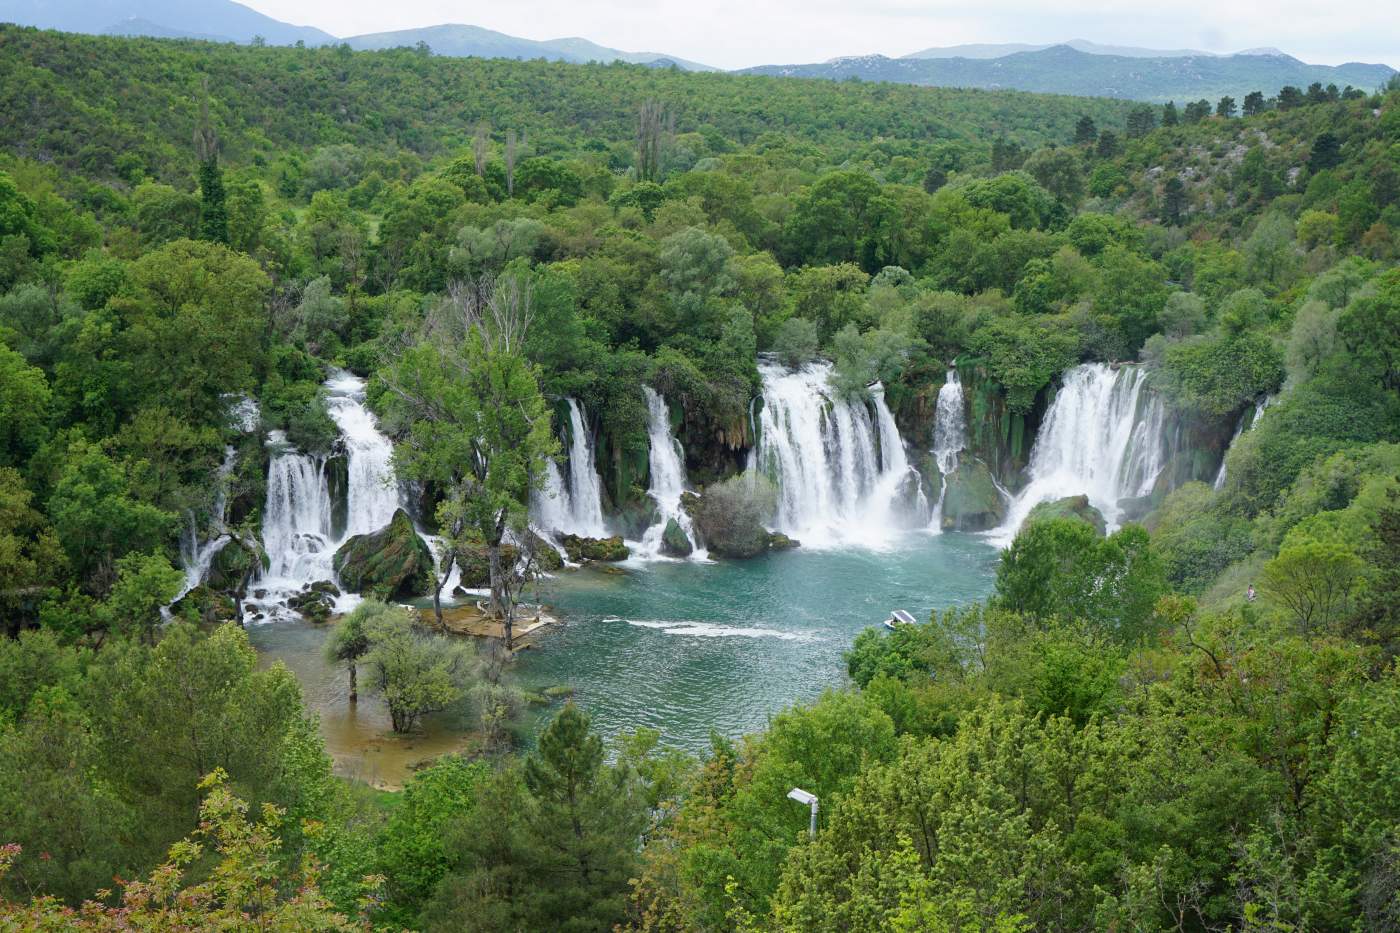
{"x":510,"y":163}
{"x":480,"y":144}
{"x":354,"y":687}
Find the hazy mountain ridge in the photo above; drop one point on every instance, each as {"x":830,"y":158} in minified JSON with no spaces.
{"x":1064,"y":70}
{"x":219,"y":20}
{"x":465,"y":40}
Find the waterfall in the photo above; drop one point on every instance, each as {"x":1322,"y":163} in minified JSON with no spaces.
{"x":1102,"y":437}
{"x":575,"y":507}
{"x":298,"y":528}
{"x":196,"y":557}
{"x":840,"y":467}
{"x":1247,"y":422}
{"x":949,"y":436}
{"x":667,"y":465}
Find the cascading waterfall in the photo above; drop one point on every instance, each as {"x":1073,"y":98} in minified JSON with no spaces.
{"x":839,"y":466}
{"x":668,"y":482}
{"x":196,"y":557}
{"x":298,"y":527}
{"x":1102,"y":438}
{"x":576,"y":506}
{"x":1247,"y":422}
{"x":949,"y":436}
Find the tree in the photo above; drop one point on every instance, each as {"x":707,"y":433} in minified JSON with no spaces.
{"x":1370,"y":328}
{"x":414,"y":671}
{"x":1060,"y":172}
{"x":843,"y":217}
{"x":1085,"y":132}
{"x":24,"y":408}
{"x":1254,"y":103}
{"x":1173,"y":201}
{"x":1107,"y":146}
{"x":349,"y":639}
{"x":472,"y":418}
{"x":1313,"y":580}
{"x":796,"y":342}
{"x":1060,"y":568}
{"x":247,"y":878}
{"x":1326,"y":153}
{"x":1225,"y":108}
{"x":1141,"y":121}
{"x":213,"y":209}
{"x":1289,"y":97}
{"x":1170,"y":117}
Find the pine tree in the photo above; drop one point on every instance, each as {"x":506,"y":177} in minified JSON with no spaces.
{"x":1173,"y":201}
{"x":1085,"y":131}
{"x":1226,"y":107}
{"x":1170,"y":117}
{"x":1254,"y":103}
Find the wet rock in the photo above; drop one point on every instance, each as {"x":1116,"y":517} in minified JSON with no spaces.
{"x":608,"y":550}
{"x":674,"y":542}
{"x":316,"y":601}
{"x":206,"y":606}
{"x":235,"y":565}
{"x":391,"y":563}
{"x":1076,"y":507}
{"x":777,"y":541}
{"x":730,"y":517}
{"x":547,"y":556}
{"x":972,"y":501}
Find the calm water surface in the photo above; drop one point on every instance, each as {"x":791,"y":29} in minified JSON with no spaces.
{"x":686,"y":648}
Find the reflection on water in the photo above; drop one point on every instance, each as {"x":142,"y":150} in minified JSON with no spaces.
{"x":357,"y":736}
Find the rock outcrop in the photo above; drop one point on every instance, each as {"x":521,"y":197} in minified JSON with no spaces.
{"x":1076,"y":507}
{"x":607,"y":550}
{"x":391,"y":563}
{"x":972,"y":501}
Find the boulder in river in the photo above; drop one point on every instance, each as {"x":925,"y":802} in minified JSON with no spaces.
{"x":730,"y":516}
{"x":972,"y":501}
{"x":391,"y":563}
{"x":1069,"y":507}
{"x":316,"y":600}
{"x":207,"y":605}
{"x":674,"y":542}
{"x":235,"y":565}
{"x":608,"y":550}
{"x":475,"y":562}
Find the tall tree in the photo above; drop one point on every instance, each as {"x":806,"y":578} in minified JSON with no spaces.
{"x":213,"y":212}
{"x":1085,"y":132}
{"x":473,"y":421}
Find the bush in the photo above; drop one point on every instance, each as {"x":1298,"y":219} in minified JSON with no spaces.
{"x":795,"y":342}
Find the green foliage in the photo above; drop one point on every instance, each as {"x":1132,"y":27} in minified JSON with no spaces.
{"x":1219,"y":374}
{"x":1023,"y":354}
{"x":1060,"y":568}
{"x":414,"y":671}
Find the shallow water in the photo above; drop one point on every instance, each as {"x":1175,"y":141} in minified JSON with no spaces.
{"x":359,"y":738}
{"x":686,"y":647}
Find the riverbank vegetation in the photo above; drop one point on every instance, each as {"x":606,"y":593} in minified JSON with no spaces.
{"x":1121,"y":737}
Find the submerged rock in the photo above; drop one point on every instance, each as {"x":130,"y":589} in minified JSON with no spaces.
{"x":609,"y":550}
{"x":674,"y":542}
{"x":391,"y":563}
{"x":1069,"y":507}
{"x":777,"y":541}
{"x":972,"y":501}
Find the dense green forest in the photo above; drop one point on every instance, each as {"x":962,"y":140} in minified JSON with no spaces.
{"x":1120,"y":738}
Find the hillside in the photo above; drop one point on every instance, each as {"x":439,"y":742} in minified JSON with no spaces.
{"x":143,"y":93}
{"x":219,"y":20}
{"x":474,"y":41}
{"x":302,"y":349}
{"x":1065,"y":70}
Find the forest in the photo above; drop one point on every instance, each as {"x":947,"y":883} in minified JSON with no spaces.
{"x":1190,"y":722}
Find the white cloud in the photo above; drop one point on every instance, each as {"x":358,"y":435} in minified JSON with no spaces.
{"x":738,"y":33}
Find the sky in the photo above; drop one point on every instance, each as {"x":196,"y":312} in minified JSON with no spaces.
{"x":740,"y":33}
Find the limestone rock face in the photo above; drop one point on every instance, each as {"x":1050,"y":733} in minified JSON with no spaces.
{"x":972,"y":501}
{"x":608,"y":550}
{"x":391,"y":563}
{"x":1069,"y":507}
{"x":236,"y":564}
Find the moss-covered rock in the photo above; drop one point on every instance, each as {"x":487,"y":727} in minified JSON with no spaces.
{"x":1069,"y":507}
{"x":235,"y":565}
{"x":547,"y":556}
{"x":316,"y":601}
{"x":777,"y":541}
{"x":972,"y":501}
{"x":674,"y":542}
{"x":206,"y":606}
{"x":729,"y":517}
{"x":608,"y":550}
{"x":474,"y":559}
{"x":391,"y":563}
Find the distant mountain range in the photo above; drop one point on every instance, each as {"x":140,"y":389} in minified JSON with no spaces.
{"x":1063,"y":69}
{"x":227,"y":21}
{"x":1077,"y":67}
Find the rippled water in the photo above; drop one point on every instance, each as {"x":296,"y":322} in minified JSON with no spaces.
{"x":687,"y":647}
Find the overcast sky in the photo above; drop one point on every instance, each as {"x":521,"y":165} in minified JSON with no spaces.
{"x":738,"y":33}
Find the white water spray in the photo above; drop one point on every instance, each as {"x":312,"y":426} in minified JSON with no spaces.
{"x":839,"y":466}
{"x":1247,"y":423}
{"x":667,"y":463}
{"x":1102,"y":438}
{"x":576,"y":506}
{"x":949,"y":437}
{"x":298,"y":518}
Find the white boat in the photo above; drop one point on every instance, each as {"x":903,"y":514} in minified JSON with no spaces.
{"x":898,"y":617}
